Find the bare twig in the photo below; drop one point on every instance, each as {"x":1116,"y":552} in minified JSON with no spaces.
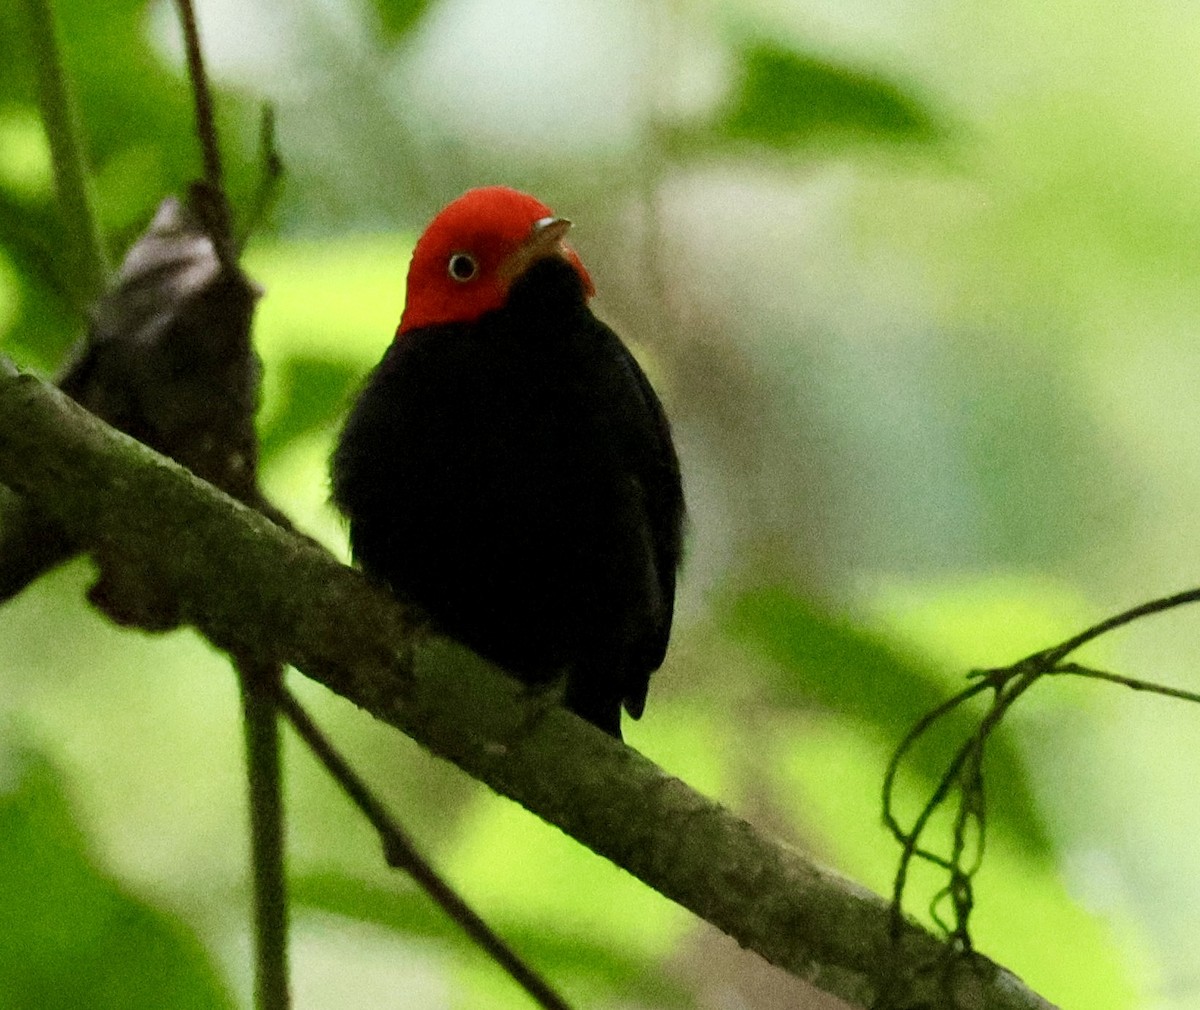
{"x":205,"y":125}
{"x":206,"y":132}
{"x":1052,"y":657}
{"x":271,"y":174}
{"x":402,"y":854}
{"x":964,"y":772}
{"x":1130,"y":682}
{"x":923,"y":725}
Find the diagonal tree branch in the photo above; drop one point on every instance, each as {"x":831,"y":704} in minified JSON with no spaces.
{"x":260,"y":591}
{"x":402,"y":854}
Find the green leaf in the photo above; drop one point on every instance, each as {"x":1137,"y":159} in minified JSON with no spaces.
{"x":398,"y":17}
{"x":72,"y":937}
{"x":820,"y":658}
{"x":786,"y":98}
{"x":39,"y":322}
{"x":315,"y":391}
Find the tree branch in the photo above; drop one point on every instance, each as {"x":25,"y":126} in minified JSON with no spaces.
{"x":259,"y":591}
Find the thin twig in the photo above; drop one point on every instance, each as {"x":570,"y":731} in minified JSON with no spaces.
{"x":205,"y":125}
{"x":966,"y":767}
{"x":87,"y":259}
{"x":401,"y":853}
{"x":1053,"y":657}
{"x":960,"y":888}
{"x":259,"y":684}
{"x":206,"y":132}
{"x":270,"y":176}
{"x":922,"y":726}
{"x":1130,"y":682}
{"x":974,"y":744}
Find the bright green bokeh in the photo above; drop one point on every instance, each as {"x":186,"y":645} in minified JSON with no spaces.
{"x":24,"y":154}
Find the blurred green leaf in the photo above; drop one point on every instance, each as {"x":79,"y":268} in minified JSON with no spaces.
{"x":787,"y":98}
{"x":398,"y":17}
{"x":561,"y":956}
{"x":25,"y":167}
{"x":336,"y":299}
{"x":824,"y":659}
{"x":314,"y":392}
{"x":70,"y":936}
{"x":42,"y":322}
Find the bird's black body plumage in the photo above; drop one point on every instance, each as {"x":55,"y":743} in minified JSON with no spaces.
{"x":516,"y":477}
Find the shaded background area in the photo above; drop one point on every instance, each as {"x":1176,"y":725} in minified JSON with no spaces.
{"x":918,"y":286}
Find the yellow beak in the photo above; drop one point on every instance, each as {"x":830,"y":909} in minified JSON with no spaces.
{"x":545,"y":239}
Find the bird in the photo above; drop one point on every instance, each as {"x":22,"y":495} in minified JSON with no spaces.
{"x":508,"y":467}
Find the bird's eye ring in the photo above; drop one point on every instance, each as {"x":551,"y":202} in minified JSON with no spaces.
{"x":462,"y":267}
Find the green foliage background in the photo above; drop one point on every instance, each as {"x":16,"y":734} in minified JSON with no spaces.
{"x":918,"y":284}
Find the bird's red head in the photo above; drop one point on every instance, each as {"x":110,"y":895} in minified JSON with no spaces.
{"x":468,"y":257}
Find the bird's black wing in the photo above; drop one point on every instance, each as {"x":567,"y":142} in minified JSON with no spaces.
{"x":644,"y":435}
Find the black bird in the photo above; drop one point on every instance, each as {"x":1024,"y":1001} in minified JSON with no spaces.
{"x":508,"y":466}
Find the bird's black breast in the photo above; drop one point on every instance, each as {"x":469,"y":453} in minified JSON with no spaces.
{"x":516,"y":477}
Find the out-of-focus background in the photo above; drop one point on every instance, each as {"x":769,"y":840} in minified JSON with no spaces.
{"x":918,"y":285}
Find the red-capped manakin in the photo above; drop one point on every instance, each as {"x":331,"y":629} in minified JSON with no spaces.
{"x":508,"y":466}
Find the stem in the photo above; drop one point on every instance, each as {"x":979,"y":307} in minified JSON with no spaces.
{"x":259,"y":684}
{"x":402,"y":854}
{"x":1130,"y":682}
{"x":1052,"y":657}
{"x":911,"y":839}
{"x":206,"y":131}
{"x":87,"y":259}
{"x":268,"y":183}
{"x":920,"y":729}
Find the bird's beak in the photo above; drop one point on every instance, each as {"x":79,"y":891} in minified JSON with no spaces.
{"x":545,"y":239}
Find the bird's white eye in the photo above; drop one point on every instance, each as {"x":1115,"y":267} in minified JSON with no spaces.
{"x":462,"y":267}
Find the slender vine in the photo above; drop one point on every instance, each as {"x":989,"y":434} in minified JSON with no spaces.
{"x":963,"y":780}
